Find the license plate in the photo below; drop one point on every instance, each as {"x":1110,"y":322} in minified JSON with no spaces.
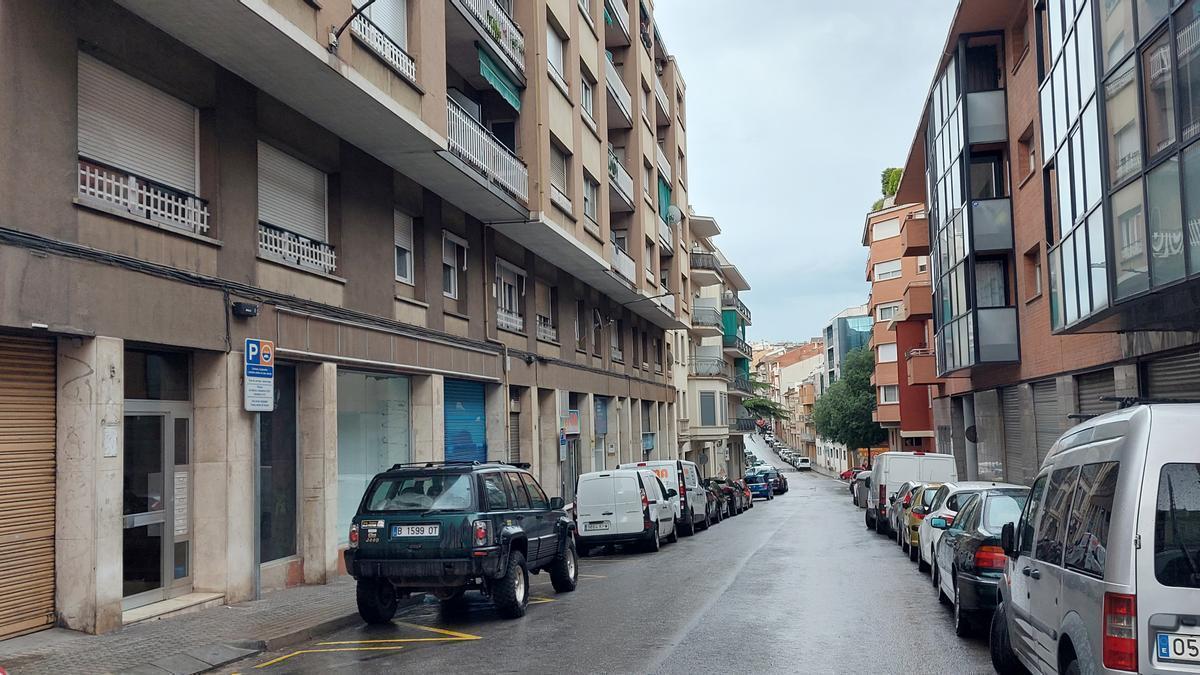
{"x":595,"y":526}
{"x":415,"y":530}
{"x":1179,"y":647}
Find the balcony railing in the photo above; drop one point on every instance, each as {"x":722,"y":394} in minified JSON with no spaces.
{"x":664,"y":165}
{"x":546,"y":329}
{"x":736,"y":343}
{"x":742,"y":384}
{"x":660,"y":95}
{"x":504,"y":31}
{"x":296,"y":249}
{"x":619,"y":177}
{"x":986,"y":117}
{"x":384,"y":47}
{"x":623,"y":264}
{"x":475,"y":145}
{"x":619,"y":91}
{"x":704,"y":261}
{"x":667,"y":302}
{"x":743,"y":424}
{"x":732,"y":301}
{"x":664,"y":233}
{"x":143,"y":197}
{"x":619,"y":19}
{"x":707,"y":366}
{"x":991,"y":224}
{"x":509,"y":320}
{"x":706,"y":316}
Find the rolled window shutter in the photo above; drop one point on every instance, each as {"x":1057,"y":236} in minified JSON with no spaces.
{"x":404,"y":231}
{"x":291,"y":194}
{"x":392,"y":18}
{"x":558,"y":168}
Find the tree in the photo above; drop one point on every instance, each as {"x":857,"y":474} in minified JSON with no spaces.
{"x":889,"y":183}
{"x":764,"y":408}
{"x":843,"y":413}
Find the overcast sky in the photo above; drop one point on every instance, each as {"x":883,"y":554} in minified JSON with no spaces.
{"x":793,"y":109}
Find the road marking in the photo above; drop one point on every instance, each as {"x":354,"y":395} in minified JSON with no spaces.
{"x":592,"y":576}
{"x":285,"y":657}
{"x":451,"y":636}
{"x":540,"y":601}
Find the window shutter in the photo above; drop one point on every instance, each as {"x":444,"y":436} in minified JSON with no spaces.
{"x":132,"y":126}
{"x":554,"y":49}
{"x":558,"y":168}
{"x":404,"y":231}
{"x":291,"y":194}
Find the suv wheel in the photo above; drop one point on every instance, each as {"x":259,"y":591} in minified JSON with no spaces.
{"x":564,"y":571}
{"x":376,"y":600}
{"x":1003,"y":659}
{"x":511,"y":592}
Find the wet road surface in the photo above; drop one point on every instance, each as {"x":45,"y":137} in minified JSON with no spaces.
{"x":795,"y":585}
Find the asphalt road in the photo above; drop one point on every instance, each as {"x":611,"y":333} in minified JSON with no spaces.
{"x":795,"y":585}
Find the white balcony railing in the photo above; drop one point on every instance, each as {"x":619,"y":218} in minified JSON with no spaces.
{"x":509,"y":320}
{"x":384,"y":47}
{"x":664,"y":233}
{"x":545,"y":329}
{"x":660,"y":95}
{"x":664,"y":165}
{"x":617,"y":87}
{"x":143,"y":197}
{"x":623,"y":264}
{"x":475,"y":145}
{"x":618,"y":174}
{"x":498,"y":24}
{"x":296,"y":249}
{"x":667,"y":301}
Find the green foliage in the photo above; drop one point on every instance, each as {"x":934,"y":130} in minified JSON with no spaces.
{"x":764,"y":408}
{"x":877,"y":205}
{"x":758,"y":385}
{"x":889,"y":181}
{"x":843,"y":413}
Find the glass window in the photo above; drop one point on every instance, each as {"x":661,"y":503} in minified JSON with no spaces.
{"x":1071,"y":68}
{"x":453,"y":253}
{"x":958,"y":500}
{"x":1029,"y":516}
{"x":970,"y":508}
{"x":278,"y":470}
{"x":886,"y":229}
{"x":1081,"y":272}
{"x":1054,"y":25}
{"x":403,"y":232}
{"x":889,"y":269}
{"x":586,"y":98}
{"x":1047,"y":111}
{"x":1158,"y":92}
{"x":372,"y":432}
{"x":1116,"y":31}
{"x":423,"y":492}
{"x":1150,"y":12}
{"x":886,"y":353}
{"x":1070,"y":290}
{"x":1052,"y":527}
{"x":519,"y":495}
{"x":708,"y":409}
{"x":1087,"y":531}
{"x":1056,"y":313}
{"x":157,"y":376}
{"x":1166,"y":222}
{"x":495,"y":492}
{"x":1187,"y":53}
{"x":1129,"y":241}
{"x":1087,"y":69}
{"x":1062,"y":172}
{"x":555,"y":48}
{"x":990,"y":283}
{"x":889,"y":393}
{"x":1124,"y":125}
{"x":1062,"y":123}
{"x":537,"y":498}
{"x":1177,"y":526}
{"x":1096,"y":259}
{"x":1191,"y":197}
{"x":1002,"y":508}
{"x":1091,"y":156}
{"x":591,"y":196}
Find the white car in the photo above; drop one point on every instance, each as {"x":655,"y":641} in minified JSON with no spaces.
{"x":683,"y":477}
{"x":624,"y":507}
{"x":947,"y":501}
{"x":803,"y":464}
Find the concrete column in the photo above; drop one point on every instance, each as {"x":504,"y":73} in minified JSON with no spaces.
{"x":88,"y":525}
{"x":530,"y":427}
{"x":428,"y":418}
{"x":1068,"y":399}
{"x":495,"y":404}
{"x":587,"y":431}
{"x":319,"y":531}
{"x":635,"y":429}
{"x":1125,"y":378}
{"x":548,"y":452}
{"x":989,"y":430}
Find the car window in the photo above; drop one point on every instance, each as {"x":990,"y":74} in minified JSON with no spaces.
{"x":926,"y":496}
{"x":1052,"y":526}
{"x":520,"y":497}
{"x":1087,"y":530}
{"x":1001,"y":508}
{"x":441,"y":492}
{"x":956,"y":501}
{"x":1177,"y":526}
{"x":495,"y":492}
{"x":1029,"y":516}
{"x":661,"y":488}
{"x":939,"y":498}
{"x":970,"y":503}
{"x":537,"y":498}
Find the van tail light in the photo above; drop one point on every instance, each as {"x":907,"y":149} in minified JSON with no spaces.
{"x":882,"y":497}
{"x":918,"y":516}
{"x":989,"y":558}
{"x":1120,"y":632}
{"x":482,"y":532}
{"x":354,"y":536}
{"x":682,"y":493}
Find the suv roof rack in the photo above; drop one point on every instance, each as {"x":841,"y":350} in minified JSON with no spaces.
{"x":430,"y":465}
{"x":519,"y":465}
{"x":1130,"y":401}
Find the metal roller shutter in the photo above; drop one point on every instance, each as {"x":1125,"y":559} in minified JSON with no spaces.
{"x":1048,"y":420}
{"x":466,"y":421}
{"x":1176,"y":376}
{"x":27,"y":490}
{"x":1016,"y":463}
{"x":132,"y":126}
{"x":1090,"y":387}
{"x":514,"y":437}
{"x":291,"y":194}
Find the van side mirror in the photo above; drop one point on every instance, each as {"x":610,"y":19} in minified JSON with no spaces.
{"x":892,"y":499}
{"x":1008,"y":539}
{"x":938,"y":523}
{"x":671,"y":493}
{"x":557,"y":503}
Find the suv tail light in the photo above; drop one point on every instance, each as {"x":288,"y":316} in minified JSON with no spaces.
{"x":481,"y":531}
{"x":354,"y":536}
{"x":1120,"y":632}
{"x":989,"y":558}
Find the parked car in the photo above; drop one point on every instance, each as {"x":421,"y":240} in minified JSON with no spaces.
{"x":896,"y":505}
{"x":803,"y":464}
{"x":760,"y":486}
{"x":487,"y":526}
{"x":859,"y":487}
{"x":778,"y":481}
{"x":947,"y":502}
{"x":715,"y":503}
{"x":913,"y":515}
{"x":849,"y":474}
{"x":624,"y":507}
{"x":892,"y":469}
{"x":683,"y":477}
{"x":969,"y":558}
{"x":748,"y":497}
{"x":733,"y":498}
{"x":1103,"y":565}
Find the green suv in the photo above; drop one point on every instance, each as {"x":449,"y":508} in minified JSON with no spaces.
{"x":447,"y":527}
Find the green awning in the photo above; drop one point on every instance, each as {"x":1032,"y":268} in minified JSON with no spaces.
{"x":608,"y":20}
{"x":499,"y":81}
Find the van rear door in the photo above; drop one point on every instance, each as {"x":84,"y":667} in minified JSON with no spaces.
{"x":628,"y":496}
{"x":597,"y":504}
{"x":937,"y":469}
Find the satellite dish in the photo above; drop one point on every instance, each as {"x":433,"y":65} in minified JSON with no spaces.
{"x":674,"y":215}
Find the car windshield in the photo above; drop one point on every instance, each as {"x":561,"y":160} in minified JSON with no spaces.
{"x":426,"y":492}
{"x":1177,"y":526}
{"x":927,"y":496}
{"x":1001,"y":508}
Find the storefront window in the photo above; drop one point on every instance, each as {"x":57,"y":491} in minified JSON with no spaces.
{"x":157,"y":376}
{"x":1124,"y":125}
{"x":1166,"y":222}
{"x":1129,"y":241}
{"x":277,"y":496}
{"x":373,"y":422}
{"x":1159,"y":95}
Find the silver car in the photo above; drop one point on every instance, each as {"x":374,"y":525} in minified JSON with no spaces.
{"x":1103,"y":567}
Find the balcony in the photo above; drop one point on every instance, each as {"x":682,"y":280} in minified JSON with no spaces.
{"x":741,"y":384}
{"x":546,"y":330}
{"x":664,"y":164}
{"x":667,"y":302}
{"x":736,"y":345}
{"x":498,"y":30}
{"x":684,"y":427}
{"x":142,"y":197}
{"x":921,"y":366}
{"x":887,"y":415}
{"x":914,"y":235}
{"x":743,"y":425}
{"x":991,"y":225}
{"x":384,"y":47}
{"x":620,"y":105}
{"x":918,"y":300}
{"x":288,"y":247}
{"x":732,"y":301}
{"x":665,"y":237}
{"x":980,"y":337}
{"x":624,"y":265}
{"x":662,"y":107}
{"x":509,"y":320}
{"x":616,"y":354}
{"x":706,"y":269}
{"x":620,"y":184}
{"x":479,"y":149}
{"x":706,"y":321}
{"x":986,"y":117}
{"x":707,"y":366}
{"x":616,"y":24}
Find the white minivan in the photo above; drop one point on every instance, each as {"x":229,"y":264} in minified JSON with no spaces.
{"x":623,"y":507}
{"x":683,"y":477}
{"x":891,"y":469}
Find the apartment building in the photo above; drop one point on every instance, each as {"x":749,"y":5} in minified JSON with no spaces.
{"x":461,"y":223}
{"x":1052,"y":156}
{"x":847,"y":331}
{"x":799,"y":431}
{"x":900,"y":305}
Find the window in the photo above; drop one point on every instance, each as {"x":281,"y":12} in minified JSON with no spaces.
{"x":372,"y":432}
{"x":391,"y":17}
{"x":889,"y":393}
{"x":555,"y":49}
{"x":649,"y":260}
{"x":597,"y":329}
{"x":1116,"y":31}
{"x":591,"y":197}
{"x":990,"y":283}
{"x":708,"y":408}
{"x":558,"y":168}
{"x":885,"y":230}
{"x":1033,"y":273}
{"x":495,"y":491}
{"x":645,"y":99}
{"x":510,"y":289}
{"x":886,"y":312}
{"x":1158,"y":93}
{"x":454,"y":263}
{"x":958,"y":500}
{"x":291,"y":193}
{"x":1151,"y":12}
{"x":922,"y":264}
{"x":1026,"y":153}
{"x":1124,"y":124}
{"x":1002,"y":508}
{"x":1087,"y":530}
{"x":1189,"y":69}
{"x":403,"y":226}
{"x":1191,"y":195}
{"x":537,"y":498}
{"x":519,"y":494}
{"x":889,"y":269}
{"x":587,"y":94}
{"x":1129,"y":241}
{"x":1177,"y":525}
{"x":1166,"y":222}
{"x":886,"y":353}
{"x":580,"y":318}
{"x":647,"y":171}
{"x":1052,"y":527}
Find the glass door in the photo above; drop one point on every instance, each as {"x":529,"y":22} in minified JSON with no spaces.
{"x":145,"y":509}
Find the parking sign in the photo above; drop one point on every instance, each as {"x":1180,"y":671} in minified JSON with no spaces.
{"x":258,"y":389}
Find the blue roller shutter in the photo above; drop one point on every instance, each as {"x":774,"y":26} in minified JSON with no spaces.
{"x":466,"y":426}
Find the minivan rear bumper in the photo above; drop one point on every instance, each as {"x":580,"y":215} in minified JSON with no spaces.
{"x":431,"y":573}
{"x":606,"y":539}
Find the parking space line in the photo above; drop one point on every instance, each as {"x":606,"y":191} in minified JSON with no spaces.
{"x":539,"y":601}
{"x":285,"y":657}
{"x":451,"y":636}
{"x":591,"y":576}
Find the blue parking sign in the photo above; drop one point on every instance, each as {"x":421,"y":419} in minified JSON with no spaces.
{"x":258,"y":379}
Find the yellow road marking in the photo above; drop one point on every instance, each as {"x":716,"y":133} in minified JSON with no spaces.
{"x":452,"y":636}
{"x":592,"y":576}
{"x":540,"y":601}
{"x":322,"y":651}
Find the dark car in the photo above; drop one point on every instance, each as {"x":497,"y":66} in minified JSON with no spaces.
{"x":760,"y":485}
{"x":778,"y":481}
{"x":747,"y":496}
{"x":716,"y":501}
{"x":447,"y":527}
{"x":969,"y":560}
{"x":732,"y":495}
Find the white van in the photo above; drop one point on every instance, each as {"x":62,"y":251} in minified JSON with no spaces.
{"x":683,"y":477}
{"x":623,"y":507}
{"x":891,"y":469}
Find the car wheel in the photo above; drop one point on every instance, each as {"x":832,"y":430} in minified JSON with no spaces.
{"x":1003,"y":659}
{"x":962,"y":618}
{"x":674,"y":536}
{"x":653,"y":544}
{"x":688,"y":527}
{"x":564,"y":571}
{"x":1072,"y":668}
{"x":867,"y":518}
{"x":511,"y":593}
{"x":913,"y":554}
{"x":707,"y":522}
{"x":376,"y":600}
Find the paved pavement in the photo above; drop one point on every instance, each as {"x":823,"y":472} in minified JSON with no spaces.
{"x":794,"y":585}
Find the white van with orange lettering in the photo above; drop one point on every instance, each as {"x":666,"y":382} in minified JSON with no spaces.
{"x":691,"y":505}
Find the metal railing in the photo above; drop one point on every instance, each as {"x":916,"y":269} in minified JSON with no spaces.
{"x":297,"y":249}
{"x":732,"y":301}
{"x":700,"y":260}
{"x":501,"y":27}
{"x":660,"y":94}
{"x":664,"y":164}
{"x":619,"y":176}
{"x":743,"y":424}
{"x":737,"y":343}
{"x":623,"y":264}
{"x":509,"y":320}
{"x":143,"y":197}
{"x":918,"y":351}
{"x":618,"y":88}
{"x":703,"y":315}
{"x":475,"y":145}
{"x":384,"y":46}
{"x":742,"y":384}
{"x":546,"y":329}
{"x":707,"y":366}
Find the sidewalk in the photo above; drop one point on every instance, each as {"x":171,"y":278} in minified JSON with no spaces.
{"x":191,"y":643}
